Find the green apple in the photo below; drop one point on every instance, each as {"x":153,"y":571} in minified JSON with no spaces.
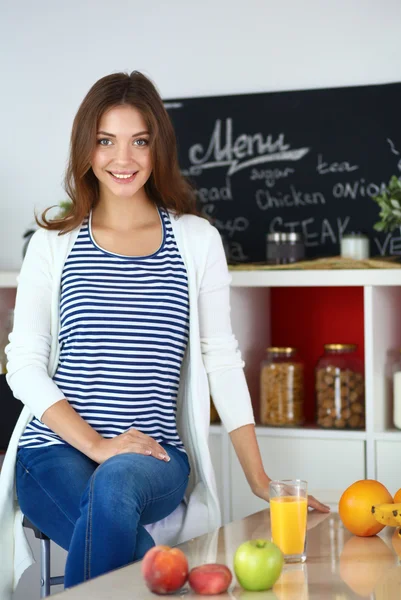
{"x":258,"y":564}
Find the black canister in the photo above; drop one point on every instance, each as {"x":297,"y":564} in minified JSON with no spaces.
{"x":294,"y":247}
{"x":284,"y":248}
{"x":274,"y":248}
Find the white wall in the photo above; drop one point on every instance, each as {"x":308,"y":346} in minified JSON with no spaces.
{"x":51,"y":52}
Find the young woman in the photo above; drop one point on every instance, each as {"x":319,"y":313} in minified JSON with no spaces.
{"x":122,"y":330}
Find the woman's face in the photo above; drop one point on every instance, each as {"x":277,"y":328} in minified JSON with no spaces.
{"x":121,"y":160}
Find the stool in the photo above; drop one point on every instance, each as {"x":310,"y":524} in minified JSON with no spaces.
{"x":45,"y":579}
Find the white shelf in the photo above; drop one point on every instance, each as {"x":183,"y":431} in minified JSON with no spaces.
{"x":310,"y":432}
{"x":316,"y":278}
{"x":215,"y":428}
{"x":288,"y":278}
{"x":393,"y":435}
{"x":8,"y":279}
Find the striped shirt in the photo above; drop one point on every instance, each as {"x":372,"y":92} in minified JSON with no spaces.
{"x":124,"y":325}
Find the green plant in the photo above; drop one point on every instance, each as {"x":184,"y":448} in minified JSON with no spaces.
{"x":64,"y":205}
{"x":390,"y":206}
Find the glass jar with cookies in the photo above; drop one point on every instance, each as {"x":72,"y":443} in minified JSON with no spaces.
{"x":339,"y":383}
{"x":282,"y":388}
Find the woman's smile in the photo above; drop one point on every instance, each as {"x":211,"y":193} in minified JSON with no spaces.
{"x":123,"y":178}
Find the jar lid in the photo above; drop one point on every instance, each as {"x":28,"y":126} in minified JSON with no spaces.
{"x":291,"y":237}
{"x":358,"y":235}
{"x":346,"y":347}
{"x":274,"y":237}
{"x":281,"y":350}
{"x":279,"y":236}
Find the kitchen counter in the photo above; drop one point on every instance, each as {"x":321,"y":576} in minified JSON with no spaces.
{"x":339,"y":566}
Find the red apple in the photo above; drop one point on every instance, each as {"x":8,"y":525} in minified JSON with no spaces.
{"x":210,"y":579}
{"x":164,"y":569}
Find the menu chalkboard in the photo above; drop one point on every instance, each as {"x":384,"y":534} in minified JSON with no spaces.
{"x":305,"y":161}
{"x":11,"y":409}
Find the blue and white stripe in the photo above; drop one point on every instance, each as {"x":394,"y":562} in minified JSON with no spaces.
{"x":124,"y":330}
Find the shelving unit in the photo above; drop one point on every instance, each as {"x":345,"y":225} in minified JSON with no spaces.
{"x":329,"y":459}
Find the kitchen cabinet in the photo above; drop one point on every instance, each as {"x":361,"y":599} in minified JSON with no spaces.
{"x":329,"y":460}
{"x":388,"y":462}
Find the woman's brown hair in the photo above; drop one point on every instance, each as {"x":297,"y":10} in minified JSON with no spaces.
{"x":166,"y":186}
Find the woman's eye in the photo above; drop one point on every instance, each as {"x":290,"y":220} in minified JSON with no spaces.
{"x":141,"y":142}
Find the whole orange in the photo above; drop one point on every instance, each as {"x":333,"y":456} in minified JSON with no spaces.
{"x":397,"y":497}
{"x":355,"y":507}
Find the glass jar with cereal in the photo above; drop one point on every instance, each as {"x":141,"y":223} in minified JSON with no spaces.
{"x":282,"y":388}
{"x":339,"y":383}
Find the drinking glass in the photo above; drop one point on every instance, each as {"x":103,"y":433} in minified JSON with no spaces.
{"x":288,"y":517}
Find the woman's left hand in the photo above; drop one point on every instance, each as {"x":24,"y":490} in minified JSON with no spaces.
{"x":313,"y":503}
{"x":262,"y":491}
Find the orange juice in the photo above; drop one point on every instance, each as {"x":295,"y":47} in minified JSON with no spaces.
{"x":288,"y":516}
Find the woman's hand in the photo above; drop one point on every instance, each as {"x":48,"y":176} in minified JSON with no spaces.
{"x":129,"y":441}
{"x":262,"y":491}
{"x":247,"y":449}
{"x":313,"y":503}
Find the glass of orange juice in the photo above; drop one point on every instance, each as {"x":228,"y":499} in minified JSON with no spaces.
{"x":288,"y":517}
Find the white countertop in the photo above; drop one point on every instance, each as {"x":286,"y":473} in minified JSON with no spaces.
{"x":339,"y":566}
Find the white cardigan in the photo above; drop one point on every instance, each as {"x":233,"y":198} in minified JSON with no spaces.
{"x":212,"y":365}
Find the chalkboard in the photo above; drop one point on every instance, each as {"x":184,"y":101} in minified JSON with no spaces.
{"x":306,"y":161}
{"x":10,"y":411}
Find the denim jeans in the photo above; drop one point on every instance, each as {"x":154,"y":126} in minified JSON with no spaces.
{"x":97,"y":512}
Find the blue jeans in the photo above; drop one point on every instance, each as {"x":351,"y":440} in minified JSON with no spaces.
{"x":97,"y":512}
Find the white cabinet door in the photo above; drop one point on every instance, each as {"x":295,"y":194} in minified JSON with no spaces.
{"x":388,"y":462}
{"x":218,"y":451}
{"x":329,"y":467}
